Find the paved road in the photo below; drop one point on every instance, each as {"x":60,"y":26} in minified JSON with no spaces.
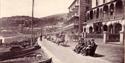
{"x":66,"y":55}
{"x":111,"y":52}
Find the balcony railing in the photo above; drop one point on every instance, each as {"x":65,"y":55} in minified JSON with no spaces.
{"x":70,"y":26}
{"x":113,"y":38}
{"x":92,"y":35}
{"x":109,"y":11}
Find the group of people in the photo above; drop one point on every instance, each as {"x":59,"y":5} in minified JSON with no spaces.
{"x":58,"y":39}
{"x":86,"y":47}
{"x":61,"y":39}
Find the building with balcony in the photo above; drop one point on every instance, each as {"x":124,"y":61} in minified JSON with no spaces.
{"x":108,"y":16}
{"x":77,"y":13}
{"x":76,"y":16}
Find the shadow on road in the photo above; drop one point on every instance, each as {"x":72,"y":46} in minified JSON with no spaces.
{"x":65,"y":45}
{"x":98,"y":55}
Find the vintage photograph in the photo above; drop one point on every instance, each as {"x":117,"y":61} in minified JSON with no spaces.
{"x":62,"y":31}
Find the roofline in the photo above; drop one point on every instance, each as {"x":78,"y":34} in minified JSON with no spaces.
{"x":72,"y":3}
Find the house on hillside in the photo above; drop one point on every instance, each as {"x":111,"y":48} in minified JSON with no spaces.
{"x":9,"y":36}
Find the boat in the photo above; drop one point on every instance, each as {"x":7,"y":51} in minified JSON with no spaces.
{"x":20,"y":51}
{"x":24,"y":47}
{"x":17,"y":51}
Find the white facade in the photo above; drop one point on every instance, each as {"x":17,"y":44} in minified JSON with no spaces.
{"x":2,"y":39}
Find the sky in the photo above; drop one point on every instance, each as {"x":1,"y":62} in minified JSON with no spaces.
{"x":42,"y":7}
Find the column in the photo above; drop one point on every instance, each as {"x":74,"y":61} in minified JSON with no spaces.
{"x":122,"y":35}
{"x":113,"y":29}
{"x":105,"y":36}
{"x":84,"y":34}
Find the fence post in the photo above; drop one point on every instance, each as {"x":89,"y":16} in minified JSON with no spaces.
{"x":105,"y":36}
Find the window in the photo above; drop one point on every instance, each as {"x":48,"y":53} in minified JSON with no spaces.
{"x":91,"y":14}
{"x":111,"y":9}
{"x":87,"y":8}
{"x":103,"y":1}
{"x":97,"y":3}
{"x":87,"y":1}
{"x":97,"y":13}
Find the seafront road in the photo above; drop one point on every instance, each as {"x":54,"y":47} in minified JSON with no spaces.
{"x":62,"y":54}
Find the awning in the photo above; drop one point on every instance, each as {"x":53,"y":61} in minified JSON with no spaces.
{"x":123,"y":22}
{"x":104,"y":23}
{"x":109,"y":23}
{"x":73,"y":18}
{"x":69,"y":26}
{"x":88,"y":25}
{"x":112,"y":22}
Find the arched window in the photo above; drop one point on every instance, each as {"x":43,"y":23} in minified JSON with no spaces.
{"x":101,"y":12}
{"x":105,"y":8}
{"x":97,"y":13}
{"x":111,"y":9}
{"x":91,"y":14}
{"x":119,"y":6}
{"x":90,"y":29}
{"x":105,"y":28}
{"x":118,"y":27}
{"x":111,"y":28}
{"x":84,"y":29}
{"x":103,"y":1}
{"x":87,"y":16}
{"x":94,"y":14}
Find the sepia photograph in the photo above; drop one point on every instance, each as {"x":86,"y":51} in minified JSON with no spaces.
{"x":62,"y":31}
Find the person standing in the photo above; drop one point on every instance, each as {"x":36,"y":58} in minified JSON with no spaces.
{"x":41,"y":36}
{"x":88,"y":47}
{"x":66,"y":38}
{"x":93,"y":47}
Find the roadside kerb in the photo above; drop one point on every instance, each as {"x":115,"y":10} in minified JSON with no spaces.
{"x":49,"y":54}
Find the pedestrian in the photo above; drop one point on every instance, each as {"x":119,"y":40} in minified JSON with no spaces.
{"x":93,"y":47}
{"x":62,"y":39}
{"x":41,"y":36}
{"x":83,"y":51}
{"x":66,"y":39}
{"x":88,"y":47}
{"x":79,"y":46}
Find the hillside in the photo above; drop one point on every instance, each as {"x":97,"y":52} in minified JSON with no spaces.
{"x":54,"y":19}
{"x":16,"y":21}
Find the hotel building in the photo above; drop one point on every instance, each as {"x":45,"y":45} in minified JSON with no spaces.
{"x":77,"y":17}
{"x":106,"y":17}
{"x":103,"y":19}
